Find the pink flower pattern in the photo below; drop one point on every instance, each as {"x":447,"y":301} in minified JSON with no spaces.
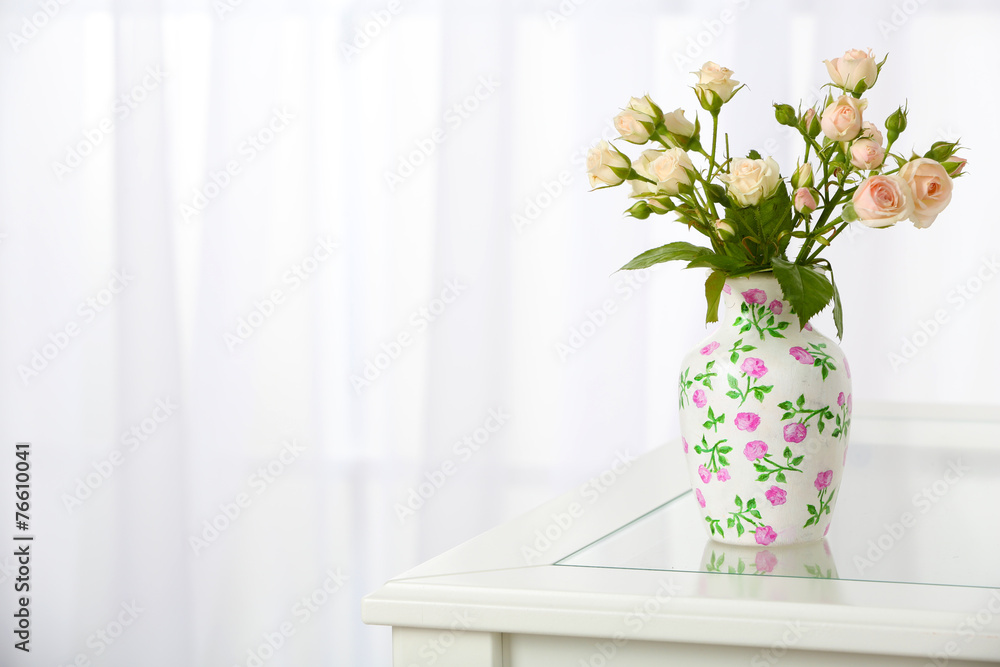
{"x":755,"y":450}
{"x":795,"y":432}
{"x":710,"y":348}
{"x":823,"y":480}
{"x":747,"y":421}
{"x":685,"y":443}
{"x":705,"y":475}
{"x":765,"y":535}
{"x":754,"y":367}
{"x":754,"y":296}
{"x":776,"y":496}
{"x":776,"y":307}
{"x":701,"y":498}
{"x":802,"y":355}
{"x":722,"y":475}
{"x":699,"y":398}
{"x":840,"y":400}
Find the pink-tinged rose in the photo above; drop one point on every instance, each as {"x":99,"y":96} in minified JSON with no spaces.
{"x":755,"y":450}
{"x":776,"y":495}
{"x":841,"y":121}
{"x":855,"y":66}
{"x":823,"y":480}
{"x":847,"y":367}
{"x":808,"y":118}
{"x":866,"y":154}
{"x":955,"y":160}
{"x":765,"y":562}
{"x":754,"y":296}
{"x":685,"y":443}
{"x":840,"y":400}
{"x":931,"y":187}
{"x":727,"y":289}
{"x":754,"y":366}
{"x":776,"y":307}
{"x":747,"y":421}
{"x":883,"y":200}
{"x":704,"y":474}
{"x":699,"y":398}
{"x":808,"y":327}
{"x":850,"y":407}
{"x":870,"y":131}
{"x":795,"y":432}
{"x":710,"y":348}
{"x":802,"y":355}
{"x":765,"y":535}
{"x":805,"y":201}
{"x":700,"y":496}
{"x":723,"y":475}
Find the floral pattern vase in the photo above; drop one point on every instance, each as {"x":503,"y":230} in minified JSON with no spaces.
{"x":765,"y":414}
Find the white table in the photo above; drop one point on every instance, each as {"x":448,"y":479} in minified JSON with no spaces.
{"x":625,"y":576}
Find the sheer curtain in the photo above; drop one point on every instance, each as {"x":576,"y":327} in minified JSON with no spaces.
{"x":297,"y":296}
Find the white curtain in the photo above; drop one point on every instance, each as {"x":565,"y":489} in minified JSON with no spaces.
{"x":298,"y":295}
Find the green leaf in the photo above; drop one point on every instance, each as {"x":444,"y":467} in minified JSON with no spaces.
{"x":733,"y":382}
{"x":713,"y":291}
{"x":741,"y":567}
{"x":801,"y":400}
{"x":679,"y":250}
{"x":739,"y":529}
{"x":755,"y":513}
{"x":717,"y":261}
{"x":806,"y":290}
{"x":811,"y":508}
{"x":785,"y":405}
{"x":787,"y":453}
{"x":838,"y":309}
{"x":752,"y":503}
{"x":739,"y":502}
{"x":725,"y":449}
{"x":787,"y":415}
{"x":797,"y":460}
{"x":764,"y":477}
{"x":780,"y":477}
{"x":733,"y":394}
{"x":731,"y":522}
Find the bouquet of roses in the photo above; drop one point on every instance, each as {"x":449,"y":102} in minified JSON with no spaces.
{"x":743,"y":206}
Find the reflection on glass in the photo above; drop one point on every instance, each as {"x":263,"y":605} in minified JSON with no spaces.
{"x":813,"y":559}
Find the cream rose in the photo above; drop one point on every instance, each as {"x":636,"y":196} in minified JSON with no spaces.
{"x":882,"y":201}
{"x":931,"y":187}
{"x":643,"y":105}
{"x":602,"y":161}
{"x":751,"y":180}
{"x":716,"y":79}
{"x":869,"y":131}
{"x":866,"y":154}
{"x":634,"y":126}
{"x":667,"y":168}
{"x":676,"y":123}
{"x":852,"y":68}
{"x":841,"y":121}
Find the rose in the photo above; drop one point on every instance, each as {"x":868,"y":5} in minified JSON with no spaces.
{"x":882,"y":201}
{"x":776,"y":495}
{"x":805,"y":201}
{"x":765,"y":535}
{"x":795,"y":432}
{"x":803,"y":176}
{"x":641,"y":188}
{"x":724,"y":229}
{"x":841,"y":121}
{"x":840,"y":400}
{"x":704,"y":474}
{"x":699,"y":398}
{"x":606,"y":165}
{"x":676,"y":123}
{"x":869,"y":131}
{"x":823,"y":480}
{"x":765,"y":562}
{"x":710,"y":348}
{"x":755,"y":450}
{"x":852,"y":68}
{"x":866,"y":154}
{"x":776,"y":307}
{"x":747,"y":421}
{"x":723,"y":475}
{"x":667,"y":168}
{"x":715,"y":81}
{"x":643,"y":105}
{"x":750,"y":181}
{"x":931,"y":187}
{"x":700,"y":496}
{"x":634,"y":126}
{"x":801,"y":355}
{"x":754,"y":296}
{"x":959,"y":163}
{"x":754,"y":366}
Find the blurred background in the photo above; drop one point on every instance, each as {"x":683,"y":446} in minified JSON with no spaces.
{"x":295,"y":296}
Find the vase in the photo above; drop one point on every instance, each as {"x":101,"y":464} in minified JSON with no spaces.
{"x":765,"y":415}
{"x":810,"y":559}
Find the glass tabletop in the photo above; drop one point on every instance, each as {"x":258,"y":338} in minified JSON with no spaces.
{"x":925,"y":515}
